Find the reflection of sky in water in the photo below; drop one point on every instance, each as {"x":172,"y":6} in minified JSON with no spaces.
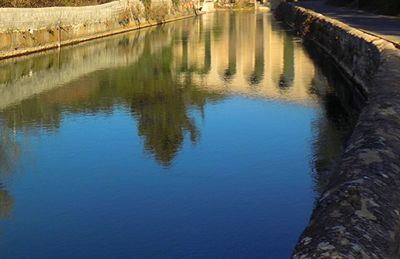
{"x":189,"y":140}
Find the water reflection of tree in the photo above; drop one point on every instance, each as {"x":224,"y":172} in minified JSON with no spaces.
{"x":150,"y":87}
{"x":33,"y":113}
{"x":9,"y":154}
{"x":6,"y":203}
{"x":161,"y":104}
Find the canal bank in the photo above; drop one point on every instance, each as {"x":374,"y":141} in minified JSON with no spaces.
{"x":358,"y":215}
{"x":28,"y":30}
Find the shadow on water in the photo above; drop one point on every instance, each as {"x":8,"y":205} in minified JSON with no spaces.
{"x":342,"y":102}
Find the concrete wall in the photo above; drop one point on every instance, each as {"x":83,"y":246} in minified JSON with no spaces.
{"x":26,"y":30}
{"x":358,"y":216}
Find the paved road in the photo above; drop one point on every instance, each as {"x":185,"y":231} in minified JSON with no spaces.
{"x":384,"y":26}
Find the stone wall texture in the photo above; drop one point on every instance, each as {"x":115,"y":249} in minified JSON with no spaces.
{"x":358,"y":215}
{"x":27,"y":30}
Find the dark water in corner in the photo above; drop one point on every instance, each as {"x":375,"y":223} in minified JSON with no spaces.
{"x":203,"y":138}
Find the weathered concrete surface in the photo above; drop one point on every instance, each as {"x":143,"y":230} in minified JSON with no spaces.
{"x":27,"y":30}
{"x":358,"y":216}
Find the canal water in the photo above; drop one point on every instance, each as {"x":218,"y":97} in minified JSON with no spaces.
{"x":208,"y":137}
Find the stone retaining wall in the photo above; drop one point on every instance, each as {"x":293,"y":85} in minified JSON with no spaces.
{"x":27,"y":30}
{"x":358,"y":216}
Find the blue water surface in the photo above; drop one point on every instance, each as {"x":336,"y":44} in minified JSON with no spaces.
{"x":191,"y":140}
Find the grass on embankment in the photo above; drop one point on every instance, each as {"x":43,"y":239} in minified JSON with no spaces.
{"x":389,"y":7}
{"x":47,"y":3}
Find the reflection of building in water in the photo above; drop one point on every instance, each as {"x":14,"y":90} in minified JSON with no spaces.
{"x":264,"y":61}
